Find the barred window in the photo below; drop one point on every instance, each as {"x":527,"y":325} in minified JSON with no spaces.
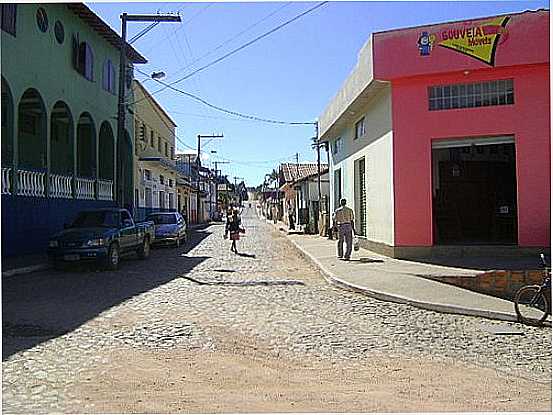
{"x":482,"y":94}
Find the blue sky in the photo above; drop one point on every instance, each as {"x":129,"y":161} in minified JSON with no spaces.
{"x":290,"y":75}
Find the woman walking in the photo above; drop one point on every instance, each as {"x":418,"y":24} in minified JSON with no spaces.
{"x":233,"y":228}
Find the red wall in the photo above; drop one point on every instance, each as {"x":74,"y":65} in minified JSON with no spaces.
{"x":415,"y":126}
{"x":396,"y":53}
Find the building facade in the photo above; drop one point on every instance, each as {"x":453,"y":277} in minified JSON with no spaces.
{"x":60,"y":153}
{"x":187,"y":185}
{"x":307,"y":202}
{"x":156,"y":172}
{"x":440,"y":137}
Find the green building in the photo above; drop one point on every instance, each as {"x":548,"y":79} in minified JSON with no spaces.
{"x":60,"y":153}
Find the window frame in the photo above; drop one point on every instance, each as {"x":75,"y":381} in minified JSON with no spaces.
{"x":85,"y":61}
{"x":10,"y":18}
{"x":489,"y":93}
{"x":360,"y":122}
{"x":108,"y":76}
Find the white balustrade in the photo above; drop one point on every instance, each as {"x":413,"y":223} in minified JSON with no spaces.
{"x":6,"y":180}
{"x":30,"y":183}
{"x":60,"y":186}
{"x":105,"y":190}
{"x":84,"y":188}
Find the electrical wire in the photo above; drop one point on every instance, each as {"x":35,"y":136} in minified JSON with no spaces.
{"x":235,"y":113}
{"x":142,"y":33}
{"x":312,"y":9}
{"x":181,"y":26}
{"x":237,"y":35}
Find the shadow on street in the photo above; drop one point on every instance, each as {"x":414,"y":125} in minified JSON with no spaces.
{"x":41,"y":306}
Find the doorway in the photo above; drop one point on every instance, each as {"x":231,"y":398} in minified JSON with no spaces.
{"x":360,"y":197}
{"x":474,"y":191}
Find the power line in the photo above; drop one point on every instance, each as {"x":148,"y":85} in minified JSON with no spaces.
{"x":233,"y":37}
{"x":142,"y":33}
{"x":312,"y":9}
{"x":181,"y":26}
{"x":238,"y":114}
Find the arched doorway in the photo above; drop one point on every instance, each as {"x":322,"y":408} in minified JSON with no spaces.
{"x":125,"y":185}
{"x":7,"y":124}
{"x":86,"y":146}
{"x":31,"y":132}
{"x":106,"y":152}
{"x":61,"y":140}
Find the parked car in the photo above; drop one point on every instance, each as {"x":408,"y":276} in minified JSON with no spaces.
{"x":170,"y":228}
{"x":101,"y":235}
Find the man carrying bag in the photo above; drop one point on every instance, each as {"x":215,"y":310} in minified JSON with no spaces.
{"x":344,"y":220}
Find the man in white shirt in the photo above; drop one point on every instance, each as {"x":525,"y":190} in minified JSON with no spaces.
{"x":344,"y":219}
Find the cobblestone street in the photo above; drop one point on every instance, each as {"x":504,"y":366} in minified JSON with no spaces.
{"x":71,"y":339}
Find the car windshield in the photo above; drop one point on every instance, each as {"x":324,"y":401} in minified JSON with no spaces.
{"x":94,"y":219}
{"x":163,"y":219}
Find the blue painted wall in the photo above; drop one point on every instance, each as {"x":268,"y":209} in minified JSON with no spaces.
{"x":28,"y":222}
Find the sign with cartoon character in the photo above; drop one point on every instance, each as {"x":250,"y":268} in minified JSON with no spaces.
{"x":477,"y":40}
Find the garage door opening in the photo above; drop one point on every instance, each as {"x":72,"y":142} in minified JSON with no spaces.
{"x":474,"y":191}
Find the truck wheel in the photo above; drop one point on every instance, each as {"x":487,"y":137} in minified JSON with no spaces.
{"x":144,"y":250}
{"x":112,"y":261}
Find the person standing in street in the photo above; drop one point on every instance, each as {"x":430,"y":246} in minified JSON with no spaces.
{"x":291,"y":216}
{"x":233,"y":228}
{"x":274,"y":213}
{"x":344,"y":219}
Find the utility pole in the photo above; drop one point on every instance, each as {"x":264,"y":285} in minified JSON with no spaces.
{"x":121,"y":110}
{"x":198,"y":164}
{"x":236,"y":187}
{"x":217,"y":182}
{"x":318,"y":161}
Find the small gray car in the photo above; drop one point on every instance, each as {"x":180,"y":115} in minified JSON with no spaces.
{"x":170,"y":228}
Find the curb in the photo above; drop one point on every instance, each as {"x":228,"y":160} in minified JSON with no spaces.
{"x":24,"y":270}
{"x":383,"y":296}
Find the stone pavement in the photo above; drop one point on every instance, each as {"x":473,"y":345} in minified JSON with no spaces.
{"x":60,"y":329}
{"x":402,"y":281}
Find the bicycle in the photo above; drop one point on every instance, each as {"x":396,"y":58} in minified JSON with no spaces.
{"x":533,"y":302}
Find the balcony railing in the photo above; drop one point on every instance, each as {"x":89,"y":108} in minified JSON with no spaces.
{"x":84,"y":188}
{"x":6,"y":181}
{"x":105,"y":190}
{"x":60,"y":186}
{"x":33,"y":183}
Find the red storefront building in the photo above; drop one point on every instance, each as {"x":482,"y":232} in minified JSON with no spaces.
{"x":468,"y":135}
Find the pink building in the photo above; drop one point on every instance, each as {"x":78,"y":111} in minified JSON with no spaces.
{"x":441,"y":137}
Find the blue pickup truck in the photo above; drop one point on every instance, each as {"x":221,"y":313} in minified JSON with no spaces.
{"x":101,"y":235}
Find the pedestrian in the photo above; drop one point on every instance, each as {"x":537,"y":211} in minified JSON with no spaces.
{"x":233,"y":229}
{"x":274,"y":213}
{"x":344,"y":219}
{"x":291,"y":216}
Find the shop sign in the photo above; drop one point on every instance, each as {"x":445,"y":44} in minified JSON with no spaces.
{"x":477,"y":40}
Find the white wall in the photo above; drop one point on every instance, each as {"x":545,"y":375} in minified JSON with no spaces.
{"x":155,"y":185}
{"x":377,"y":148}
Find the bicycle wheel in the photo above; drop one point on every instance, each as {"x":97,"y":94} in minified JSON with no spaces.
{"x":531,"y":305}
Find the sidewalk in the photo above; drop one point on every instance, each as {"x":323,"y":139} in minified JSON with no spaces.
{"x":400,"y":281}
{"x":23,"y":264}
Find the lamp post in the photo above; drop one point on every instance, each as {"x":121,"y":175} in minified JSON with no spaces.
{"x":121,"y":111}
